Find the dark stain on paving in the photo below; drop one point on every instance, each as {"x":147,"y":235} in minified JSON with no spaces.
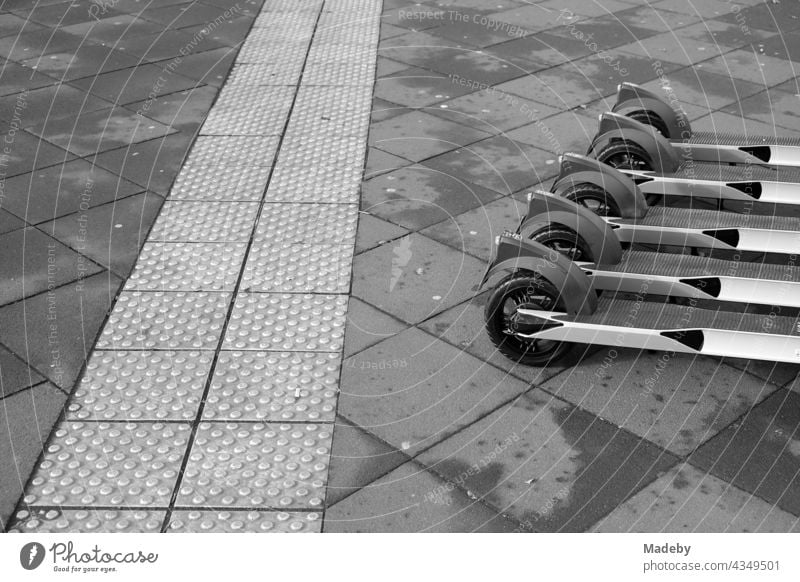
{"x":477,"y":480}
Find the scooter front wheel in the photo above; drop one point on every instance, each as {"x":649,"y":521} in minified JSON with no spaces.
{"x":523,"y":290}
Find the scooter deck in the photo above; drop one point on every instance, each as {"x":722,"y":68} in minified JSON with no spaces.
{"x":730,"y":173}
{"x":740,"y":140}
{"x":663,"y":217}
{"x":684,"y":266}
{"x":675,"y":328}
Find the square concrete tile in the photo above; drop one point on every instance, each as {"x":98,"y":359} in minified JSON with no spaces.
{"x":562,"y":88}
{"x":110,"y":29}
{"x":419,"y":196}
{"x":759,"y":453}
{"x":88,"y":60}
{"x":710,"y":90}
{"x":469,"y":29}
{"x":98,"y":131}
{"x":724,"y":34}
{"x":159,"y":46}
{"x":33,"y":262}
{"x":492,"y":111}
{"x":17,"y":78}
{"x":687,"y":51}
{"x":54,"y":332}
{"x":50,"y":102}
{"x":413,"y":390}
{"x":135,"y":84}
{"x":9,"y":222}
{"x":367,"y":326}
{"x":651,"y":17}
{"x":478,"y":69}
{"x":418,"y":48}
{"x":498,"y":163}
{"x":580,"y":8}
{"x":686,"y":499}
{"x":66,"y":13}
{"x":549,"y":465}
{"x":677,"y":402}
{"x":413,"y":16}
{"x":11,"y":24}
{"x":15,"y":374}
{"x":395,"y":503}
{"x":473,"y":232}
{"x":58,"y":190}
{"x":417,"y":135}
{"x":151,"y":164}
{"x":357,"y":459}
{"x":418,"y":88}
{"x":760,"y":69}
{"x":463,"y":327}
{"x":183,"y":110}
{"x":380,"y":162}
{"x":209,"y":67}
{"x":415,"y":277}
{"x":569,"y":131}
{"x":783,"y":45}
{"x":373,"y":232}
{"x":37,"y":43}
{"x":109,"y":234}
{"x":535,"y":17}
{"x":25,"y":423}
{"x":706,"y":10}
{"x":28,"y":152}
{"x":383,"y":110}
{"x":764,"y":16}
{"x":386,"y":67}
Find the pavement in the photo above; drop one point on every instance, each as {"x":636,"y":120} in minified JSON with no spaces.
{"x":189,"y":298}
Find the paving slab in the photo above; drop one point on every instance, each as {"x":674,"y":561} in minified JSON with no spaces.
{"x":380,"y":162}
{"x":38,"y":43}
{"x":135,"y":84}
{"x":17,"y":78}
{"x":686,"y":499}
{"x":775,"y":108}
{"x":55,"y":331}
{"x":414,"y":87}
{"x":55,"y":191}
{"x":35,"y":262}
{"x":57,"y":14}
{"x":27,"y":152}
{"x":419,"y":196}
{"x":759,"y":452}
{"x":183,"y":110}
{"x":87,"y":60}
{"x":367,"y":326}
{"x":244,"y":522}
{"x":25,"y":423}
{"x":50,"y":102}
{"x":15,"y":374}
{"x":765,"y":16}
{"x":395,"y":503}
{"x":547,"y":464}
{"x":413,"y":391}
{"x":676,"y":402}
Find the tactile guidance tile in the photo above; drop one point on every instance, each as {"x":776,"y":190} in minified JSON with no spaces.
{"x":252,"y":97}
{"x":41,"y":520}
{"x":265,"y":51}
{"x":256,"y":466}
{"x":187,"y":221}
{"x":116,"y":464}
{"x":152,"y":386}
{"x":298,"y":268}
{"x":233,"y":150}
{"x":263,"y":119}
{"x":287,"y":322}
{"x":146,"y":320}
{"x":275,"y":6}
{"x":182,"y":266}
{"x":274,"y":386}
{"x":310,"y":223}
{"x":339,"y":74}
{"x":265,"y":75}
{"x":242,"y":183}
{"x":331,"y":111}
{"x":245,"y":522}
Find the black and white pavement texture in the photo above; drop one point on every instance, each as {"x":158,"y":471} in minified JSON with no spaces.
{"x":241,"y":248}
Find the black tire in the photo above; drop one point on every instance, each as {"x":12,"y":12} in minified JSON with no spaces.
{"x":564,"y":241}
{"x":630,"y":156}
{"x":593,"y":197}
{"x":651,"y":119}
{"x":523,"y":289}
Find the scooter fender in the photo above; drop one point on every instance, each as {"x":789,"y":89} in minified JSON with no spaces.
{"x":631,"y":98}
{"x":546,"y":209}
{"x":514,"y":254}
{"x":576,"y":169}
{"x":665,"y":158}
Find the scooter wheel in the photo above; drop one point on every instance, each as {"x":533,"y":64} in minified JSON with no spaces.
{"x":565,"y":241}
{"x":652,"y":119}
{"x":593,"y":197}
{"x":523,"y":290}
{"x":627,"y":155}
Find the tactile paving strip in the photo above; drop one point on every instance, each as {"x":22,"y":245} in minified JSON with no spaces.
{"x":146,"y":320}
{"x":114,"y":464}
{"x":298,"y":268}
{"x":141,"y":386}
{"x":253,"y":97}
{"x":286,"y":20}
{"x":256,"y":466}
{"x":182,"y":266}
{"x":205,"y":221}
{"x":339,"y":74}
{"x":287,"y":323}
{"x":273,"y":28}
{"x":42,"y":520}
{"x":269,"y":119}
{"x":264,"y":75}
{"x":308,"y":182}
{"x":265,"y":51}
{"x":331,"y":111}
{"x":274,"y":386}
{"x":309,"y":223}
{"x":245,"y":522}
{"x":362,"y":7}
{"x":330,"y":53}
{"x":242,"y":183}
{"x":233,"y":150}
{"x":271,"y":6}
{"x":322,"y":150}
